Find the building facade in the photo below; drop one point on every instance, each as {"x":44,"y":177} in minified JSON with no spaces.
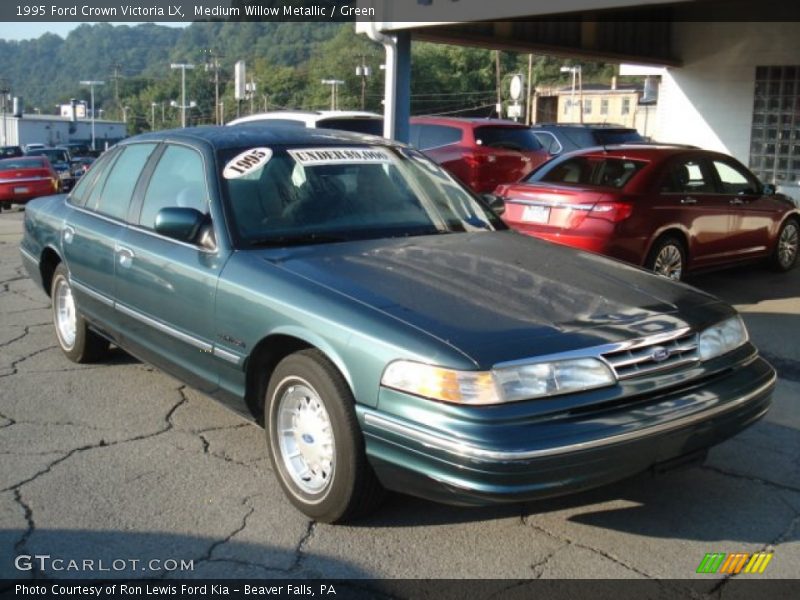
{"x":54,"y":130}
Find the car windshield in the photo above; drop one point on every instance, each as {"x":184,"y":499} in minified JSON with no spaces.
{"x":589,"y":170}
{"x":283,"y":196}
{"x":52,"y":154}
{"x":511,"y":138}
{"x":21,"y":163}
{"x":618,"y":136}
{"x":357,"y":125}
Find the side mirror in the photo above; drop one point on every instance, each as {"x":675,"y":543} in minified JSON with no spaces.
{"x":180,"y":224}
{"x":769,"y":190}
{"x":496,"y":203}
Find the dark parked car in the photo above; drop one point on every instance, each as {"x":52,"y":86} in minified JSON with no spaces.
{"x":558,"y":138}
{"x":669,"y":209}
{"x":482,"y":153}
{"x":24,"y":178}
{"x":10,"y":152}
{"x":386,"y":326}
{"x":61,"y":161}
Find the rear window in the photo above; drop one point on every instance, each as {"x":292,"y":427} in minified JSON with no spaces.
{"x":589,"y":170}
{"x":368,"y":126}
{"x":22,"y":163}
{"x":618,"y":136}
{"x":511,"y":138}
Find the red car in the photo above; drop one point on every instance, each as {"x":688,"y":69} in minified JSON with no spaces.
{"x":482,"y":153}
{"x":671,"y":209}
{"x":25,"y":178}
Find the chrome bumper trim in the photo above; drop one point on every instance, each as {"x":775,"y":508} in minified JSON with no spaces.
{"x":184,"y":337}
{"x":438,"y":441}
{"x":102,"y":299}
{"x":227,"y":356}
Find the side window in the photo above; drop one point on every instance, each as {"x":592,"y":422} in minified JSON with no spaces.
{"x":178,"y":180}
{"x":121,"y":180}
{"x":687,"y":177}
{"x":548,"y":141}
{"x":734,"y":180}
{"x":433,"y":136}
{"x":80,"y":193}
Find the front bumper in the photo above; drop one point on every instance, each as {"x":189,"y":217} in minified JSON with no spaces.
{"x":558,"y":453}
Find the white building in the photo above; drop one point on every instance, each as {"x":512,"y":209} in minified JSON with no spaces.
{"x":55,"y":130}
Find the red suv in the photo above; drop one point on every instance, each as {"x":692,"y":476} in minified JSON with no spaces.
{"x":668,"y":208}
{"x":482,"y":153}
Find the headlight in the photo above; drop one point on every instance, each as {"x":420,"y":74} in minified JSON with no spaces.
{"x":499,"y":385}
{"x":722,"y":338}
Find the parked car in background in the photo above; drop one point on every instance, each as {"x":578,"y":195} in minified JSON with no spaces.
{"x":566,"y":137}
{"x":61,"y":161}
{"x":34,"y":146}
{"x":80,"y":165}
{"x":386,"y":327}
{"x":10,"y":151}
{"x":24,"y":178}
{"x":482,"y":153}
{"x":343,"y":120}
{"x":670,"y":209}
{"x":78,"y":149}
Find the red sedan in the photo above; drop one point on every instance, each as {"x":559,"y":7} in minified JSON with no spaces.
{"x":26,"y":177}
{"x":671,"y":209}
{"x":482,"y":153}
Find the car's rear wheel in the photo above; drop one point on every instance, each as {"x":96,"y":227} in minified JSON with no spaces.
{"x":316,"y":445}
{"x":79,"y":343}
{"x":668,"y":258}
{"x":784,"y":257}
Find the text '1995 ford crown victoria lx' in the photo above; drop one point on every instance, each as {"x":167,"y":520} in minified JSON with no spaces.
{"x":382,"y":322}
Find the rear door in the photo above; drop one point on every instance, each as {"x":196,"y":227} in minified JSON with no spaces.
{"x":93,"y":227}
{"x":687,"y":198}
{"x":513,"y":153}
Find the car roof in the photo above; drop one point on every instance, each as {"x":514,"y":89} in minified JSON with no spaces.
{"x":308,"y":116}
{"x":582,"y":126}
{"x":641,"y":151}
{"x":466,"y":122}
{"x":247,"y":135}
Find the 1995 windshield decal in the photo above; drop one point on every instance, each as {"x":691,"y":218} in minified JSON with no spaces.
{"x":309,"y":157}
{"x":246,"y":162}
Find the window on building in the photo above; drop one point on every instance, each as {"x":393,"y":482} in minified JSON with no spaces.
{"x":604,"y":106}
{"x":775,"y":133}
{"x":587,"y":106}
{"x":567,"y":106}
{"x":626,"y":106}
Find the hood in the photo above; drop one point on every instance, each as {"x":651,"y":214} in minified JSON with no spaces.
{"x":500,"y":296}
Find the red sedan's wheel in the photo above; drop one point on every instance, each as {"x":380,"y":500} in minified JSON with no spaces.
{"x":668,"y":258}
{"x":784,"y":257}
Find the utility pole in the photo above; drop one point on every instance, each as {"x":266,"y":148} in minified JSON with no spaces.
{"x":214,"y":65}
{"x":529,"y":103}
{"x":334,"y":83}
{"x":363,"y":71}
{"x":91,"y":84}
{"x":115,"y":77}
{"x":4,"y":91}
{"x":182,"y":67}
{"x":153,"y":116}
{"x":498,"y":82}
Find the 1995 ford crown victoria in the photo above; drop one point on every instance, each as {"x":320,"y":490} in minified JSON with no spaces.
{"x":387,"y":327}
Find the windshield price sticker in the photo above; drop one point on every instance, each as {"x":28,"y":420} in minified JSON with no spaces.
{"x":309,"y":157}
{"x":247,"y":162}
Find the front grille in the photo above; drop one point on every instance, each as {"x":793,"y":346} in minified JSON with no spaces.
{"x":646,"y":356}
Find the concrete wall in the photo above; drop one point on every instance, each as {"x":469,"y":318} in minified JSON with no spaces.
{"x":708,"y":101}
{"x":55,"y":131}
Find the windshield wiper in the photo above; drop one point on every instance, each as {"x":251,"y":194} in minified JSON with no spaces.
{"x":299,"y":240}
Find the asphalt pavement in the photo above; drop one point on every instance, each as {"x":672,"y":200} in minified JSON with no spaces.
{"x":119,"y":462}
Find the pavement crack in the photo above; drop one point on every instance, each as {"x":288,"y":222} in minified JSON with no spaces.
{"x":208,"y":556}
{"x":300,"y":549}
{"x":19,"y":547}
{"x":753,"y":478}
{"x":15,"y":364}
{"x":25,"y":332}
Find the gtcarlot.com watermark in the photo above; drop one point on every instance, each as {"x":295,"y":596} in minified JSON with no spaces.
{"x":45,"y":563}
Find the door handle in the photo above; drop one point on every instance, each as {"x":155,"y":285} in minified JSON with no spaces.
{"x":126,"y":256}
{"x":688,"y":200}
{"x":68,"y":233}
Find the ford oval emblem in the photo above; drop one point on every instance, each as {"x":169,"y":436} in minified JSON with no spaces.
{"x":308,"y":439}
{"x":660,"y":354}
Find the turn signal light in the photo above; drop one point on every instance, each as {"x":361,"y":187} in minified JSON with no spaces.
{"x":612,"y":211}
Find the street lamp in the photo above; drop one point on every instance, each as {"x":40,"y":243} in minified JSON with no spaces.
{"x":183,"y":107}
{"x":183,"y":67}
{"x":334,"y":83}
{"x":153,"y":115}
{"x":91,"y":84}
{"x":575,"y":70}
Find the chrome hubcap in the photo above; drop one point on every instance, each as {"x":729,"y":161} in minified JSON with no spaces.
{"x":787,"y":245}
{"x":669,"y":263}
{"x":305,"y":437}
{"x":65,"y":315}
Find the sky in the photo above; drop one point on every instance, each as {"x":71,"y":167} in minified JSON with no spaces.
{"x":25,"y":31}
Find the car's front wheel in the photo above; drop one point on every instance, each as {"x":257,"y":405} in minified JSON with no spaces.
{"x":79,"y":343}
{"x":316,"y":446}
{"x":668,"y":258}
{"x":784,"y":257}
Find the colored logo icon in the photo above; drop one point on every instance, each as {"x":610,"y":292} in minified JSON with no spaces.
{"x":735,"y":563}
